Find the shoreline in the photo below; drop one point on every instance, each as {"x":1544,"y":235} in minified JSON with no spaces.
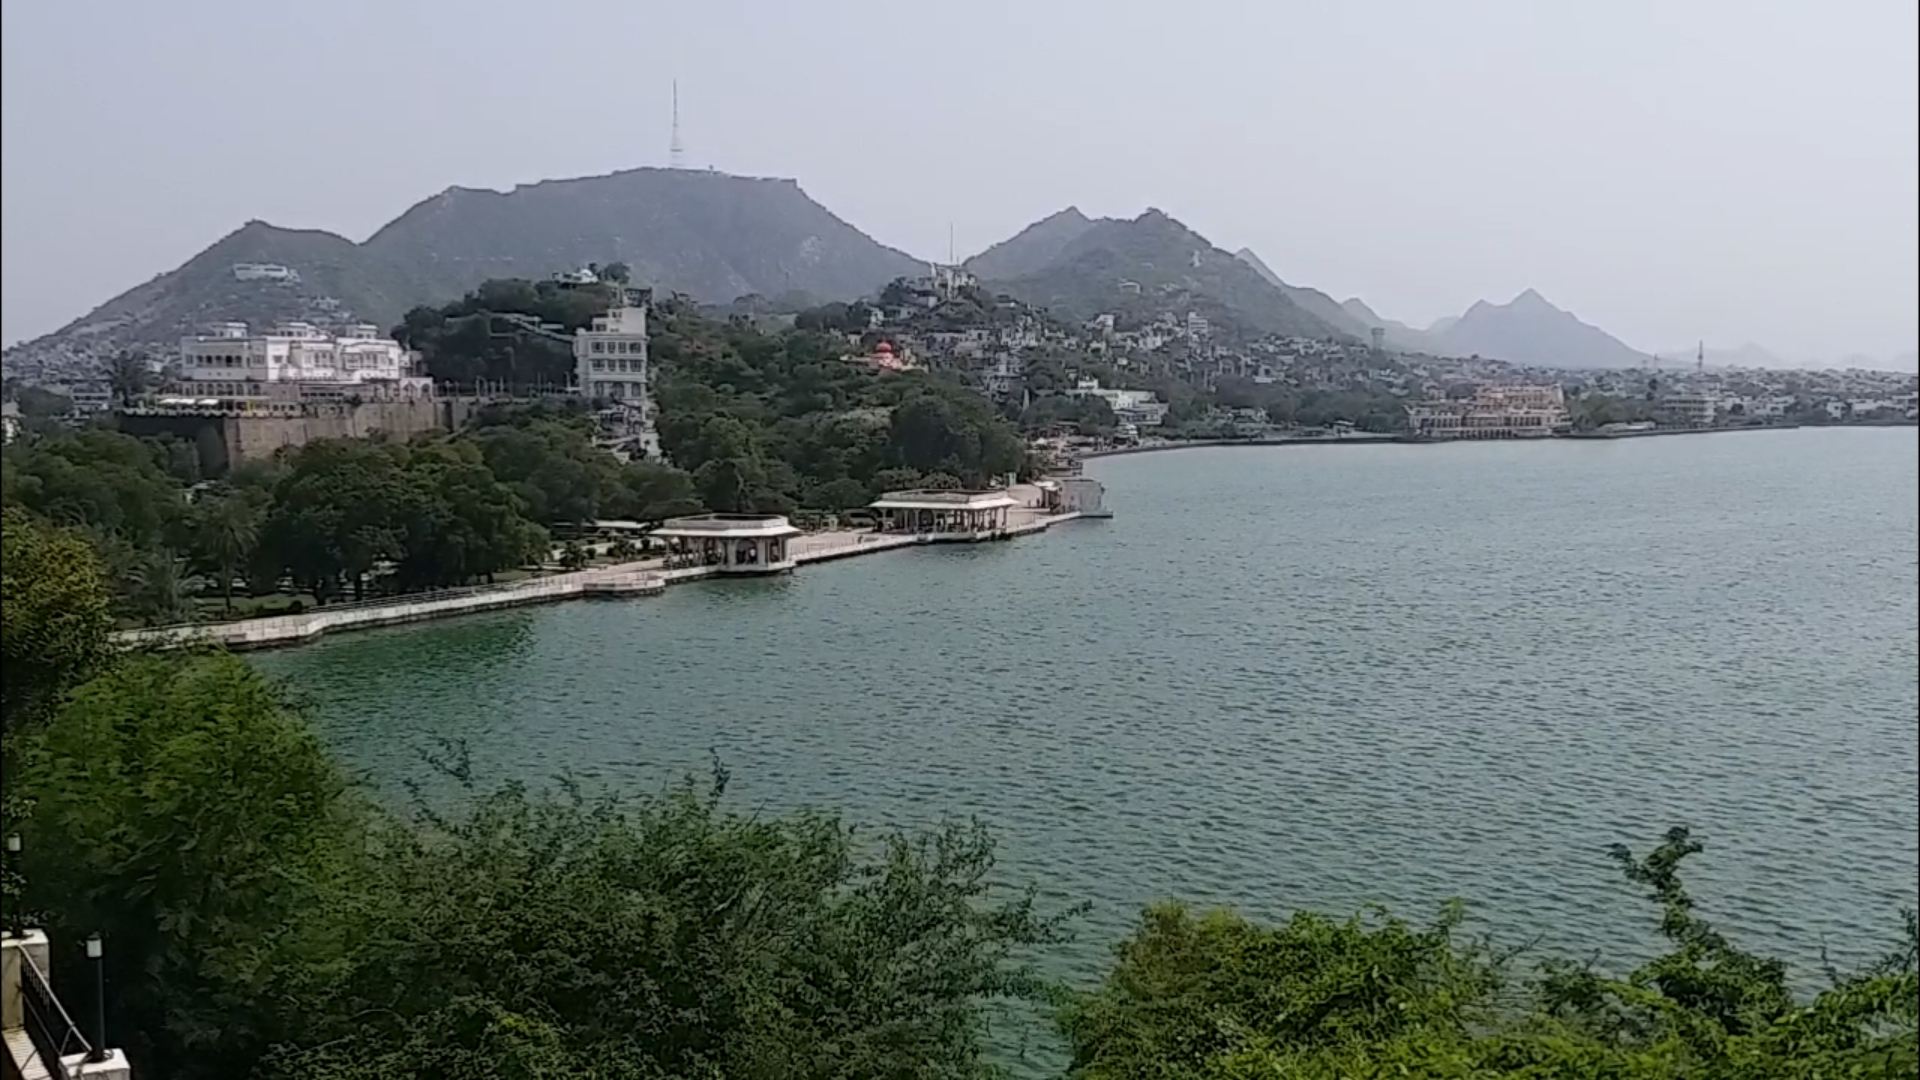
{"x":646,"y":577}
{"x":1374,"y":439}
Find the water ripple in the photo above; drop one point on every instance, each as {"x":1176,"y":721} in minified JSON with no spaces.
{"x":1292,"y":678}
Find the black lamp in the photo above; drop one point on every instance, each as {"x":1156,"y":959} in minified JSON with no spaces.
{"x":96,"y":952}
{"x":14,"y":929}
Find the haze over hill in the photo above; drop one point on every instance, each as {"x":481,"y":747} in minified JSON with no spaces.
{"x":1312,"y":301}
{"x":1033,"y":248}
{"x":1750,"y":355}
{"x":711,"y":235}
{"x":1150,"y":264}
{"x":1529,"y":330}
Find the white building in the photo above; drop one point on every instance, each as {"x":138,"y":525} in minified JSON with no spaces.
{"x":730,"y":543}
{"x":1137,"y":407}
{"x":1689,"y":410}
{"x":264,"y":272}
{"x":610,"y":356}
{"x":296,"y":361}
{"x":946,"y":514}
{"x":1494,"y":412}
{"x":1198,"y":328}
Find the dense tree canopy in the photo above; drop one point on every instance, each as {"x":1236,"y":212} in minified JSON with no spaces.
{"x":478,"y":339}
{"x":770,"y":422}
{"x":55,"y":614}
{"x":1217,"y":997}
{"x":281,"y":927}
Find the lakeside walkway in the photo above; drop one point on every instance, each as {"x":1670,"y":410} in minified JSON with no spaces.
{"x":645,"y":577}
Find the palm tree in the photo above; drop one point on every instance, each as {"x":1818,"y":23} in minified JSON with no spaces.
{"x":160,"y":589}
{"x":225,"y":533}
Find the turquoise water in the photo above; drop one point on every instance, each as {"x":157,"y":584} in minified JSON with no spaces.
{"x":1290,"y":677}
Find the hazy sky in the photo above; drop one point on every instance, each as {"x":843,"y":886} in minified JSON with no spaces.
{"x":1732,"y":170}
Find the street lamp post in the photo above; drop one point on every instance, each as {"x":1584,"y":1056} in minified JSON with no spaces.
{"x":96,"y":952}
{"x":14,"y":926}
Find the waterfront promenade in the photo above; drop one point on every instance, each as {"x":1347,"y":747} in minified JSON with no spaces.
{"x":644,"y":577}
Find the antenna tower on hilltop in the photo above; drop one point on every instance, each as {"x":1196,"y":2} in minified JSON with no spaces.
{"x":676,"y":153}
{"x":1700,"y":358}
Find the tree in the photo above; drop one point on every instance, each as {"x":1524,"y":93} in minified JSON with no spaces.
{"x":226,"y":530}
{"x":57,"y":615}
{"x":845,"y":493}
{"x":677,"y":938}
{"x":655,"y":492}
{"x":37,"y":402}
{"x":129,"y":374}
{"x":159,"y":589}
{"x":1220,"y":998}
{"x":728,"y":485}
{"x":182,"y":811}
{"x":109,"y":483}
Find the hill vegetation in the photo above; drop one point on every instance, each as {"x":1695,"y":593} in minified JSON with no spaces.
{"x":263,"y":919}
{"x":1033,"y":248}
{"x":709,"y":235}
{"x":1165,"y":267}
{"x":1312,"y":301}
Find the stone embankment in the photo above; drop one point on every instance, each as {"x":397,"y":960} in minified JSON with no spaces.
{"x":644,"y":578}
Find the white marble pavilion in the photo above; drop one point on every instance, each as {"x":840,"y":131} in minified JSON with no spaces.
{"x":730,"y":543}
{"x":945,"y":514}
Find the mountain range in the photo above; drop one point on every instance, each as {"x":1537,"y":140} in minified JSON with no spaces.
{"x":717,"y":237}
{"x":711,"y":235}
{"x":1080,"y":267}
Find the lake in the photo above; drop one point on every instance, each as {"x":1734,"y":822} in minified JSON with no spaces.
{"x":1290,"y":677}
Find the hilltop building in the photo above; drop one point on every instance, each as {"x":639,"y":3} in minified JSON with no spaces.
{"x":265,"y":272}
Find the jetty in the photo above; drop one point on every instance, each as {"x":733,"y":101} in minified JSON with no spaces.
{"x":700,"y":547}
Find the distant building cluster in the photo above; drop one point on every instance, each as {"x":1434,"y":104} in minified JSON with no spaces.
{"x":1493,"y":412}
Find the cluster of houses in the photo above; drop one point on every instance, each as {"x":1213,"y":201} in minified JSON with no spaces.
{"x":943,"y":320}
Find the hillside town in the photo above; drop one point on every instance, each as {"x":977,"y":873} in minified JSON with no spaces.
{"x":1116,"y":379}
{"x":1177,"y":376}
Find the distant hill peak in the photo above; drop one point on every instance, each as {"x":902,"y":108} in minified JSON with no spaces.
{"x":712,"y":235}
{"x":1032,"y":248}
{"x":1529,"y":329}
{"x":1077,"y":266}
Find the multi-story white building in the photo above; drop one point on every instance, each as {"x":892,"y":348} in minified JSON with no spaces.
{"x":1494,"y":412}
{"x":295,"y":361}
{"x":610,"y":356}
{"x":1694,"y":410}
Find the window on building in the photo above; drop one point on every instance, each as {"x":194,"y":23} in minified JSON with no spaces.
{"x":599,"y":346}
